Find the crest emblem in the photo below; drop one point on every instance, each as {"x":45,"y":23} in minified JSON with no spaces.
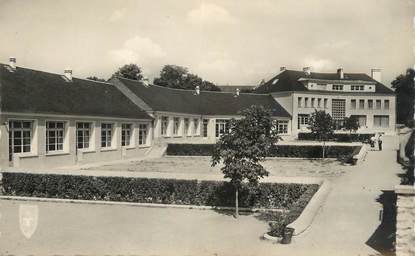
{"x":28,"y":218}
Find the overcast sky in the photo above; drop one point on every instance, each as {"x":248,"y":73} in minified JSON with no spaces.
{"x":226,"y":42}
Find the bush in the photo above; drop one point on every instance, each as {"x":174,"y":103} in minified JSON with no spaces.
{"x":300,"y":151}
{"x":144,"y":190}
{"x":339,"y":137}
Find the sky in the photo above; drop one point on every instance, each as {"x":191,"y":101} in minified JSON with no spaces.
{"x":238,"y":42}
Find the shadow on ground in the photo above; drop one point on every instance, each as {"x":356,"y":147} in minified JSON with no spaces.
{"x":383,"y":239}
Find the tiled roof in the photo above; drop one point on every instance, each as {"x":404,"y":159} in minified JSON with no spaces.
{"x":206,"y":103}
{"x":31,"y":91}
{"x":288,"y":81}
{"x":232,"y":88}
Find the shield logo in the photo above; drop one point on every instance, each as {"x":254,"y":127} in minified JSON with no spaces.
{"x":28,"y":218}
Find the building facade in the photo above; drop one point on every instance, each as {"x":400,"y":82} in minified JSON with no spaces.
{"x":339,"y":94}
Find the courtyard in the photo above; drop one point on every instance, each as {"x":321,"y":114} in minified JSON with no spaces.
{"x":345,"y":225}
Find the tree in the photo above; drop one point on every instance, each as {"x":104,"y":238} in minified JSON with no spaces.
{"x":130,"y":71}
{"x":405,"y":94}
{"x":351,"y":124}
{"x":94,"y":78}
{"x":244,"y":146}
{"x":322,"y":126}
{"x":178,"y":77}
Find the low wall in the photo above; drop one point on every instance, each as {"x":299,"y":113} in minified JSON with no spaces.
{"x":405,"y":220}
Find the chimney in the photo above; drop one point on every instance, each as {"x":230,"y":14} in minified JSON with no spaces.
{"x":283,"y":69}
{"x":340,"y":73}
{"x":376,"y":74}
{"x":197,"y":90}
{"x":307,"y":71}
{"x":237,"y":91}
{"x":12,"y":62}
{"x":68,"y":74}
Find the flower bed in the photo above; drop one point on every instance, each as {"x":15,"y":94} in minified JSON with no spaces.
{"x":143,"y":190}
{"x":299,"y":151}
{"x":339,"y":137}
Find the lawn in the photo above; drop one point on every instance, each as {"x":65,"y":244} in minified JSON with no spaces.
{"x":277,"y":167}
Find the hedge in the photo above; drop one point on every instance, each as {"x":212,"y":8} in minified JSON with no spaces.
{"x":300,"y":151}
{"x":144,"y":190}
{"x":340,"y":137}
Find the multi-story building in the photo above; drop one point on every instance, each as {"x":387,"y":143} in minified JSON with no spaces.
{"x":339,"y":94}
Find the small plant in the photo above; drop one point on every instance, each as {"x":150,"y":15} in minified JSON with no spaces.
{"x":277,"y":225}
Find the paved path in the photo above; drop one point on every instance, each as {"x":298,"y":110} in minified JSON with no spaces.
{"x":351,"y":214}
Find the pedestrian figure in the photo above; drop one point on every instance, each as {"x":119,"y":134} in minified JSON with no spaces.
{"x":372,"y":141}
{"x":380,"y":143}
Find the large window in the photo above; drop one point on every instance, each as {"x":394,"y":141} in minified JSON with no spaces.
{"x":83,"y":135}
{"x":386,"y":104}
{"x":381,"y":121}
{"x":195,"y":126}
{"x":187,"y":130}
{"x":106,"y":135}
{"x":353,"y":104}
{"x":361,"y":118}
{"x":361,"y":104}
{"x":164,"y":125}
{"x":326,"y":103}
{"x":176,"y":126}
{"x":222,"y":127}
{"x":126,"y":134}
{"x":300,"y":102}
{"x":370,"y":104}
{"x":302,"y":120}
{"x":338,"y":109}
{"x":378,"y":104}
{"x":142,"y":134}
{"x":205,"y":127}
{"x":282,"y":126}
{"x":55,"y":133}
{"x":20,"y":137}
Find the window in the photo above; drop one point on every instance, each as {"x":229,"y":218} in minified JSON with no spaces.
{"x":176,"y":125}
{"x":313,"y":102}
{"x":378,"y":104}
{"x":222,"y":126}
{"x":20,"y":137}
{"x":306,"y":102}
{"x":361,"y":119}
{"x":337,"y":87}
{"x":353,"y":104}
{"x":55,"y":132}
{"x":357,"y":87}
{"x":282,"y":126}
{"x":370,"y":104}
{"x":142,"y":134}
{"x":302,"y":120}
{"x":361,"y":104}
{"x":83,"y":135}
{"x":386,"y":104}
{"x":300,"y":104}
{"x":106,"y":135}
{"x":325,"y":103}
{"x":187,"y":130}
{"x":319,"y":102}
{"x":205,"y":127}
{"x":381,"y":121}
{"x":195,"y":126}
{"x":338,"y":109}
{"x":126,"y":132}
{"x":164,"y":125}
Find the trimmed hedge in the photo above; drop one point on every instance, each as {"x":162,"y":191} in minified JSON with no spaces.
{"x":339,"y":137}
{"x":300,"y":151}
{"x":144,"y":190}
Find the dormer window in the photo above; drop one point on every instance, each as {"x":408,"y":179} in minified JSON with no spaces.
{"x":337,"y":87}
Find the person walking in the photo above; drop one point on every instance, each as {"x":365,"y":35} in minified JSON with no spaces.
{"x":372,"y":141}
{"x":380,"y":142}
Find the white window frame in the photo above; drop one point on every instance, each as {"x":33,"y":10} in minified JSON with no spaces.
{"x":143,"y":141}
{"x":33,"y":137}
{"x":205,"y":126}
{"x":221,"y":127}
{"x":303,"y":120}
{"x":186,"y":126}
{"x":176,"y":126}
{"x":337,"y":87}
{"x":386,"y":104}
{"x":164,"y":126}
{"x":64,"y":137}
{"x":386,"y":117}
{"x":196,"y":126}
{"x":91,"y":140}
{"x":108,"y":144}
{"x":282,"y":126}
{"x":353,"y":104}
{"x":124,"y":135}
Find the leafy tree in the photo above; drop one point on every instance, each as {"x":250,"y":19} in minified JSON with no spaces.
{"x":351,"y":124}
{"x":322,"y":126}
{"x":405,"y":94}
{"x":246,"y":144}
{"x":130,"y":71}
{"x":178,"y":77}
{"x":94,"y":78}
